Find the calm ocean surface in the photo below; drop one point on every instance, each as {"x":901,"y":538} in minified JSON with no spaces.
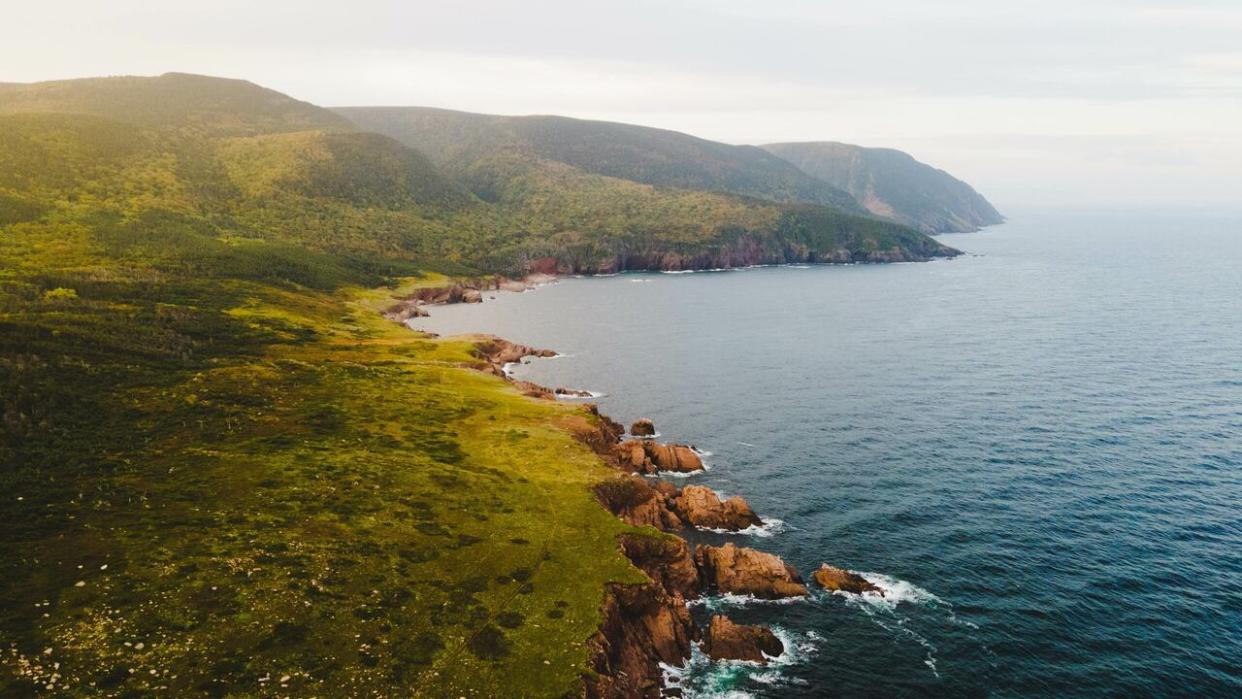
{"x":1037,"y":449}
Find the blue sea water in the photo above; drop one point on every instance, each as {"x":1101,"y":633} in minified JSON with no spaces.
{"x":1036,"y":449}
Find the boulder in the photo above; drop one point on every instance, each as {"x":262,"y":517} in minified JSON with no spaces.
{"x":631,"y":456}
{"x":673,"y":457}
{"x":643,"y":427}
{"x":729,"y":641}
{"x":743,"y":571}
{"x":831,"y":578}
{"x":700,"y":506}
{"x":471,"y":296}
{"x":646,"y":456}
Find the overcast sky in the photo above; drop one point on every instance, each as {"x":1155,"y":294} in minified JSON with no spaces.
{"x":1044,"y":103}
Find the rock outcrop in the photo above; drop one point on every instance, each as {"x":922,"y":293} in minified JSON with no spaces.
{"x":743,"y":571}
{"x":643,"y":427}
{"x":646,"y":456}
{"x":642,"y":627}
{"x":831,"y":578}
{"x":462,"y":291}
{"x":498,"y":352}
{"x":645,"y":625}
{"x":700,"y":506}
{"x":404,"y":310}
{"x":726,"y":640}
{"x":640,"y":503}
{"x":666,"y":560}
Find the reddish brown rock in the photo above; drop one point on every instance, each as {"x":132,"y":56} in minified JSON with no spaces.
{"x":636,"y":502}
{"x":499,"y":352}
{"x":599,"y":432}
{"x":699,"y":506}
{"x":726,"y":640}
{"x":666,"y":560}
{"x":642,"y":627}
{"x":742,"y":571}
{"x":831,"y":578}
{"x":534,"y":390}
{"x":674,"y":457}
{"x":646,"y":456}
{"x":643,"y":427}
{"x":471,"y":296}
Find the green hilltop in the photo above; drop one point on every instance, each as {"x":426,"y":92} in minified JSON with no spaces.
{"x":892,"y":184}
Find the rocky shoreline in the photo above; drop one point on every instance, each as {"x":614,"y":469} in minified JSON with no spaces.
{"x":649,"y":625}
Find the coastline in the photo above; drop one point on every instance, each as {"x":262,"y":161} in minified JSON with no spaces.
{"x":647,"y":638}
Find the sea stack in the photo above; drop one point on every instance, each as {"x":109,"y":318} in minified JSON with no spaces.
{"x":729,"y":641}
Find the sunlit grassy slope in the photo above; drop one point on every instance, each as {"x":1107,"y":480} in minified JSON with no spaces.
{"x":222,"y":473}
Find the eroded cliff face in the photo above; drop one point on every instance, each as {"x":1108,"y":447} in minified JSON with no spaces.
{"x":745,"y":252}
{"x":645,"y":625}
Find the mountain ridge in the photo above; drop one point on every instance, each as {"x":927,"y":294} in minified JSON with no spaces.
{"x":650,"y":155}
{"x":893,"y":184}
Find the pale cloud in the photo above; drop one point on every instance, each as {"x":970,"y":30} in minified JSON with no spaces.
{"x":1041,"y":103}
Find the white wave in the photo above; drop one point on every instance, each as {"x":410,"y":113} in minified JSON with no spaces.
{"x":895,"y":592}
{"x":746,"y":444}
{"x":704,"y":678}
{"x":686,"y":474}
{"x":881,"y":609}
{"x":770,"y":527}
{"x":715,"y":603}
{"x":592,"y":395}
{"x":507,"y":368}
{"x":639,"y":281}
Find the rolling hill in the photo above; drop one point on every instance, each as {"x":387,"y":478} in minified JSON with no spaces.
{"x":894,"y":185}
{"x":603,"y":197}
{"x":454,"y":140}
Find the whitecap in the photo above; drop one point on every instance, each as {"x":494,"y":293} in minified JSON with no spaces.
{"x":704,"y":678}
{"x":895,"y":592}
{"x":592,"y":395}
{"x":728,"y":599}
{"x":770,"y":527}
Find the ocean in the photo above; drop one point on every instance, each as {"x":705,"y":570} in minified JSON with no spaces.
{"x":1035,"y":449}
